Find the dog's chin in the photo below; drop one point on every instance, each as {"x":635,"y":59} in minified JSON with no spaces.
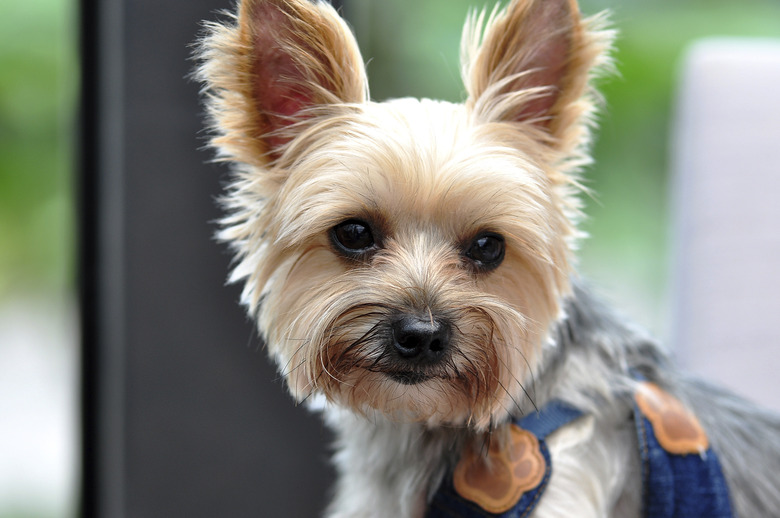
{"x":409,"y":377}
{"x":409,"y":396}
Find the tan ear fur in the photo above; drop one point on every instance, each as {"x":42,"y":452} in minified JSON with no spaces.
{"x":531,"y":63}
{"x":279,"y":63}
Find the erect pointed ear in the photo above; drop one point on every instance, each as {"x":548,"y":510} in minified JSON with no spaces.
{"x":532,"y":62}
{"x":282,"y":62}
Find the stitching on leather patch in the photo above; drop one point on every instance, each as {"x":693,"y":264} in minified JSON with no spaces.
{"x":498,"y":480}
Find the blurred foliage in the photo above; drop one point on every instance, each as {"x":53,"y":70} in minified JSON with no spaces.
{"x":629,"y":219}
{"x":412,"y":50}
{"x":37,"y":94}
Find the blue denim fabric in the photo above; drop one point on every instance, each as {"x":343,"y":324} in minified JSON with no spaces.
{"x":680,"y":486}
{"x":447,"y":503}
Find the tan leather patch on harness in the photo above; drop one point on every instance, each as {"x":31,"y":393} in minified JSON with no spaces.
{"x":497,"y":481}
{"x":678,"y":431}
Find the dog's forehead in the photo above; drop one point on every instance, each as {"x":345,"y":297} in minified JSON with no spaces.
{"x":410,"y":160}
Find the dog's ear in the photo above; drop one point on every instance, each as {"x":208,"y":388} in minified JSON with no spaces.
{"x":531,"y":62}
{"x":279,"y":64}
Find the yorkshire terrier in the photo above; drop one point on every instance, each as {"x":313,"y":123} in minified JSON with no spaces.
{"x":410,"y":267}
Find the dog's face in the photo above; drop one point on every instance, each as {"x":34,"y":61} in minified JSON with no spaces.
{"x":406,"y":257}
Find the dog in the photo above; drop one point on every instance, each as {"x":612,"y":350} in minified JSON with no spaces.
{"x":410,"y":265}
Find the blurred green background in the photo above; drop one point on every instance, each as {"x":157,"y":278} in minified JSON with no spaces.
{"x":412,"y":48}
{"x":38,"y":324}
{"x":38,"y":80}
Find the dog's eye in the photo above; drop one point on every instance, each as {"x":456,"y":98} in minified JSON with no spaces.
{"x":486,"y":250}
{"x":353,"y":237}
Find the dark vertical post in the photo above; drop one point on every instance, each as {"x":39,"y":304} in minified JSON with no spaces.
{"x":101,"y":272}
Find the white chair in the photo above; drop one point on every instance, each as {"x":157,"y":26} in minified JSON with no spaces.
{"x":725,"y":322}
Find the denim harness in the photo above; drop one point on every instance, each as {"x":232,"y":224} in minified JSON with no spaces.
{"x":674,"y":484}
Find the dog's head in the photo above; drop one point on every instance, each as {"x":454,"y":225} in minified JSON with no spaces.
{"x":406,"y":257}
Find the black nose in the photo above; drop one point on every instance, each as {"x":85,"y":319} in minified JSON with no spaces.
{"x":420,"y":339}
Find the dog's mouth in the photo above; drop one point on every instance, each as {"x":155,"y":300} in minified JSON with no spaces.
{"x":409,"y":377}
{"x":418,"y":376}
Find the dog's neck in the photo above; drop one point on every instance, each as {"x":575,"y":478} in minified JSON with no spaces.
{"x":407,"y":460}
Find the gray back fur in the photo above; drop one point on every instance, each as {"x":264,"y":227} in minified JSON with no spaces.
{"x":590,"y":363}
